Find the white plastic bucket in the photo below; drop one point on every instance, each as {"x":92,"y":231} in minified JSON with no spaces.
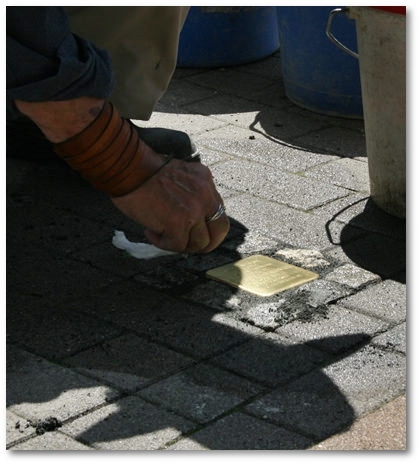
{"x":381,"y":41}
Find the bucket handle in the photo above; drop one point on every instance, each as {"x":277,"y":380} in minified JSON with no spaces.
{"x":330,"y":35}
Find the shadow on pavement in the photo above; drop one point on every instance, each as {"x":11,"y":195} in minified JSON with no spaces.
{"x":176,"y":363}
{"x":382,"y":248}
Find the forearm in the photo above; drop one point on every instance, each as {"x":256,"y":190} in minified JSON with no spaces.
{"x":62,"y":120}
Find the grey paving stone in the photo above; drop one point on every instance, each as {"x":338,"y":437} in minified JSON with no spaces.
{"x":276,"y":185}
{"x":37,"y":389}
{"x":344,"y":172}
{"x":271,"y":359}
{"x":302,"y":303}
{"x":177,"y":323}
{"x":130,"y":424}
{"x":17,"y":428}
{"x":271,"y":96}
{"x":53,"y":441}
{"x":340,"y":141}
{"x":393,"y":339}
{"x":312,"y":405}
{"x":50,"y":276}
{"x":316,"y":293}
{"x":200,"y":393}
{"x":352,"y":276}
{"x":359,"y":210}
{"x":369,"y":377}
{"x":259,"y":144}
{"x":55,"y":332}
{"x":386,"y":300}
{"x":242,"y":432}
{"x":182,"y":92}
{"x":334,"y":329}
{"x":308,"y":259}
{"x":270,"y":68}
{"x":250,"y":243}
{"x":110,"y":259}
{"x":216,"y":295}
{"x":116,"y":302}
{"x":56,"y":184}
{"x":230,"y":81}
{"x":227,"y":110}
{"x":187,"y":444}
{"x":209,"y":157}
{"x":164,"y":273}
{"x":265,"y":315}
{"x":294,"y":228}
{"x":180,"y":119}
{"x":50,"y":227}
{"x":127,"y":362}
{"x":368,"y":252}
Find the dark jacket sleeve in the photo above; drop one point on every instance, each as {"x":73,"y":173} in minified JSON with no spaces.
{"x":46,"y":62}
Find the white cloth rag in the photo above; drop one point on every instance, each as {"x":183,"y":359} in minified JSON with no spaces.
{"x":138,"y":250}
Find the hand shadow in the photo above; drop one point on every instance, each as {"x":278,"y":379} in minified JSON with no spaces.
{"x":174,"y":352}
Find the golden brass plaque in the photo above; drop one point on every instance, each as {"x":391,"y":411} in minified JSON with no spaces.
{"x":261,"y":275}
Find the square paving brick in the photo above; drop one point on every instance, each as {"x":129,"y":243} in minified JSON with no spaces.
{"x":230,"y":81}
{"x":383,"y":429}
{"x":271,"y":359}
{"x":276,"y":185}
{"x":359,"y":210}
{"x":177,"y":323}
{"x":17,"y":428}
{"x":52,"y":228}
{"x":250,"y":243}
{"x":344,"y":172}
{"x":37,"y":389}
{"x":50,"y":276}
{"x":56,"y":332}
{"x":308,"y":259}
{"x":129,"y":424}
{"x":351,"y":275}
{"x":242,"y":432}
{"x":52,"y":441}
{"x":386,"y":300}
{"x":178,"y":120}
{"x":127,"y":362}
{"x":312,"y":405}
{"x":201,"y":392}
{"x":165,"y":274}
{"x":369,"y":377}
{"x":215,"y":295}
{"x":368,"y":252}
{"x":393,"y":339}
{"x":340,"y":141}
{"x":182,"y":92}
{"x":334,"y":329}
{"x":295,"y":228}
{"x":254,"y":145}
{"x":116,"y":302}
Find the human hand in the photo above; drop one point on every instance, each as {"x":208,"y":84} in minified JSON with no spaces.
{"x":173,"y":206}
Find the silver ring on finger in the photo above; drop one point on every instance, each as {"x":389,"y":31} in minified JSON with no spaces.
{"x":220,"y":211}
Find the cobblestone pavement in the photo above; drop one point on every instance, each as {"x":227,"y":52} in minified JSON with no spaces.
{"x":107,"y":352}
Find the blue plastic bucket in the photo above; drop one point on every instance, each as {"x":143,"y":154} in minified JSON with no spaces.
{"x":226,"y":36}
{"x":318,"y":75}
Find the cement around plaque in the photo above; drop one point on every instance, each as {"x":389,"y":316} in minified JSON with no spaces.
{"x":261,"y":275}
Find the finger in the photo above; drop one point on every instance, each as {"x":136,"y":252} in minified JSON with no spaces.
{"x":199,"y":238}
{"x":176,"y":243}
{"x":217,"y":230}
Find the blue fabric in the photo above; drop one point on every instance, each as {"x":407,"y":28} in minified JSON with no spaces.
{"x":46,"y":62}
